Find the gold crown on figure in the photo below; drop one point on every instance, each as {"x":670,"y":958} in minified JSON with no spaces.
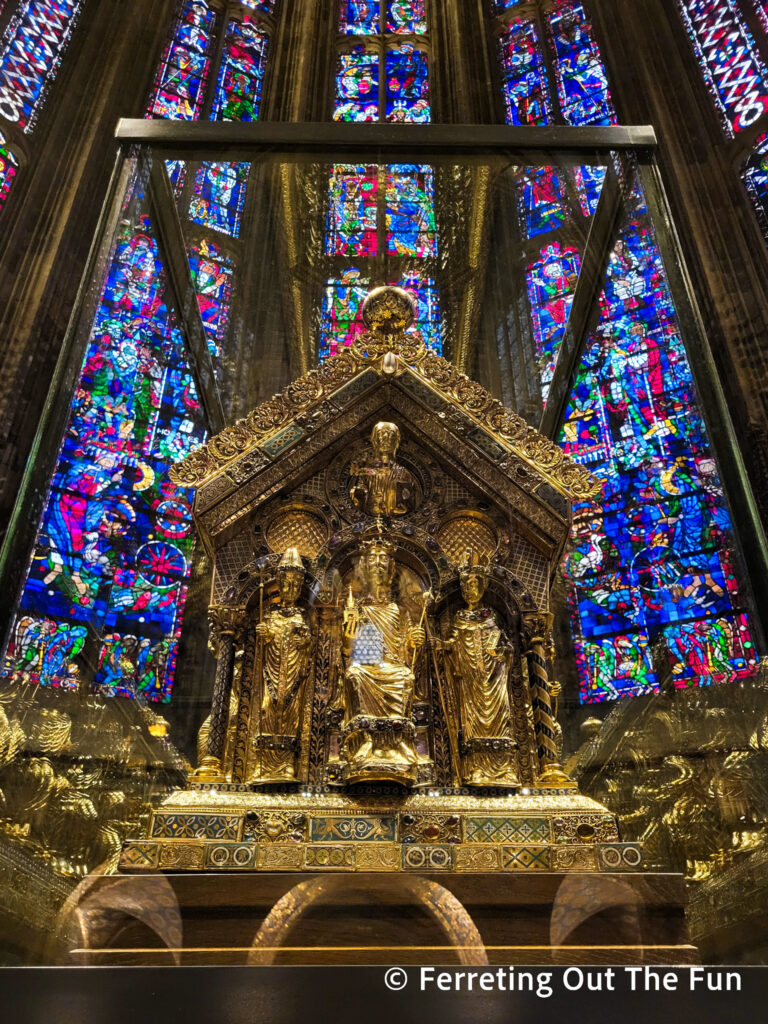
{"x":475,"y":563}
{"x":290,"y":562}
{"x":374,"y":538}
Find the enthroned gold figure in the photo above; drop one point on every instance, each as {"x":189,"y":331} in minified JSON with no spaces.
{"x":384,"y":488}
{"x":379,"y":644}
{"x":478,"y":662}
{"x":285,"y":638}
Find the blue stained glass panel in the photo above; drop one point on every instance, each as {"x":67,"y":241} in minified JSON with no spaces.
{"x":407,"y":85}
{"x":524,"y":76}
{"x":551,"y":280}
{"x":359,"y":17}
{"x":428,"y":321}
{"x":410,"y":216}
{"x":212,"y":274}
{"x":218,"y":195}
{"x":589,"y":184}
{"x":407,"y":17}
{"x":241,"y":74}
{"x":111,"y":560}
{"x":30,"y":55}
{"x":582,"y":85}
{"x":731,"y":63}
{"x":650,"y":570}
{"x":541,"y":201}
{"x":181,"y":77}
{"x":357,"y":86}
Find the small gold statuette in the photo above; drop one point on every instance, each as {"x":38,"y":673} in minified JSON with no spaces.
{"x":383,"y":488}
{"x":478,"y":660}
{"x":378,"y":647}
{"x":285,"y":641}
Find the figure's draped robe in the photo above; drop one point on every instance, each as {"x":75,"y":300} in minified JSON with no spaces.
{"x":383,"y":690}
{"x":480,"y":683}
{"x":285,"y":661}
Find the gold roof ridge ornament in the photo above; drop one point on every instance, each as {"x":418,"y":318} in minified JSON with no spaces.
{"x":393,"y":352}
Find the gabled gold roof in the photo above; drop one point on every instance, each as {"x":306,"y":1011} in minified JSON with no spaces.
{"x":391,"y":356}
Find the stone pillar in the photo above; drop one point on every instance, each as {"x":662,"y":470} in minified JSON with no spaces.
{"x":550,"y":770}
{"x":224,"y":622}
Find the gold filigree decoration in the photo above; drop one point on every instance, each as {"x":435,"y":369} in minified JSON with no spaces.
{"x":370,"y":351}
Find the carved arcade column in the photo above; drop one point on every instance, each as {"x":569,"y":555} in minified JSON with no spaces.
{"x":224,"y":623}
{"x":545,"y":723}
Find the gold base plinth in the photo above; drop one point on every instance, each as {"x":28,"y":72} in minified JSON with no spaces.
{"x":228,"y":827}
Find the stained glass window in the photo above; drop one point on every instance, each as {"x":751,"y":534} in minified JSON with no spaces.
{"x":218,"y":194}
{"x":212,"y":274}
{"x":582,"y":85}
{"x":410,"y":213}
{"x":407,"y":17}
{"x":267,"y":6}
{"x":526,"y":94}
{"x":181,"y":78}
{"x":653,"y":591}
{"x":756,"y":180}
{"x":381,"y":217}
{"x":428,"y":318}
{"x":30,"y":54}
{"x":589,"y":184}
{"x":357,"y":86}
{"x":734,"y":71}
{"x":111,"y":561}
{"x":359,"y":17}
{"x":407,"y":84}
{"x":541,"y":201}
{"x":504,"y":5}
{"x":8,"y":167}
{"x":551,"y":281}
{"x":241,"y":73}
{"x":341,"y":318}
{"x":353,"y":211}
{"x":341,"y":313}
{"x":761,"y":7}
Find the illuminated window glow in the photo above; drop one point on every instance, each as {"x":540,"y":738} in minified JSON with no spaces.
{"x":218,"y":196}
{"x":30,"y":55}
{"x":241,"y":74}
{"x":526,"y":94}
{"x":732,"y":66}
{"x":111,"y":562}
{"x":181,"y":78}
{"x":357,"y":86}
{"x":582,"y":85}
{"x":8,"y":168}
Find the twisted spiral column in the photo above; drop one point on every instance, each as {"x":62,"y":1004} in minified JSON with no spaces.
{"x":224,"y":623}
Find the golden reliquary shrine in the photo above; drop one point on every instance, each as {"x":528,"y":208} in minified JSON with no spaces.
{"x":380,"y":777}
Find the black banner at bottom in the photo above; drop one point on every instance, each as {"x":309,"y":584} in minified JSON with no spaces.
{"x":375,"y":995}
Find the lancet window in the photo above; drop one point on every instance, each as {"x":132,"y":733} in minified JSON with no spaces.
{"x":104,"y":596}
{"x":31,"y":50}
{"x":381,"y":218}
{"x":652,"y":587}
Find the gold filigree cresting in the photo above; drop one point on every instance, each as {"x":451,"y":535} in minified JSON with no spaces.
{"x":388,"y":337}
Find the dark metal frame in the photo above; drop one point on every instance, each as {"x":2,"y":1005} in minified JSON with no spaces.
{"x":159,"y":140}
